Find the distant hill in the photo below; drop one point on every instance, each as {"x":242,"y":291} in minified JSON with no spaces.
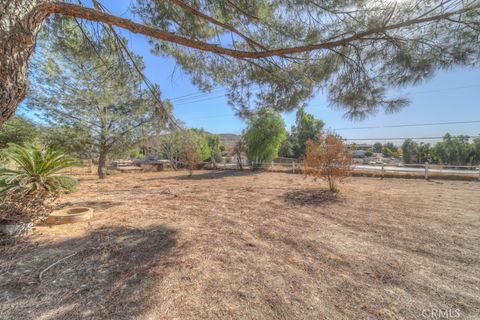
{"x":229,"y":139}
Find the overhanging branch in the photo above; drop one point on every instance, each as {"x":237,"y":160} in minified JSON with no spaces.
{"x":98,"y":16}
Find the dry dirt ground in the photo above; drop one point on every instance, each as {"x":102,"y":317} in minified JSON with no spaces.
{"x":242,"y":245}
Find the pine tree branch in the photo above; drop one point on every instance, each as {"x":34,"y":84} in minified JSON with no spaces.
{"x":225,"y":26}
{"x":98,"y":16}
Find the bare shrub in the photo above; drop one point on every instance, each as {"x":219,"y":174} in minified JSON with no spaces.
{"x":238,"y":150}
{"x":191,"y":157}
{"x":327,"y":158}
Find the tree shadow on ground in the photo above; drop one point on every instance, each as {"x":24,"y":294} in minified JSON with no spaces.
{"x":109,"y":273}
{"x":215,"y":175}
{"x":311,"y":197}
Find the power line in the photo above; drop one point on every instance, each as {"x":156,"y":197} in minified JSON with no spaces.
{"x":210,"y":117}
{"x":195,"y":95}
{"x":411,"y":125}
{"x":199,"y":100}
{"x":445,"y":89}
{"x":192,"y":96}
{"x":413,"y":138}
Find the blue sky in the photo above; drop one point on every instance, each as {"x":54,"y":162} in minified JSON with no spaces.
{"x":450,"y":96}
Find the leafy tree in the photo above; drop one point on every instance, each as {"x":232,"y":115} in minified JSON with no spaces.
{"x":75,"y":88}
{"x":390,"y":150}
{"x":290,"y":49}
{"x":306,"y":128}
{"x":476,"y":151}
{"x":377,"y":147}
{"x":76,"y":140}
{"x":194,"y":148}
{"x":170,"y":147}
{"x":264,"y":136}
{"x":454,"y":150}
{"x":202,"y":138}
{"x":424,"y":152}
{"x":215,"y":149}
{"x":328,"y":158}
{"x":286,"y":150}
{"x":409,"y":151}
{"x":17,"y":130}
{"x":185,"y":147}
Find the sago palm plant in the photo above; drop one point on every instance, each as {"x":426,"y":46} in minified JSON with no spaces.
{"x":37,"y":172}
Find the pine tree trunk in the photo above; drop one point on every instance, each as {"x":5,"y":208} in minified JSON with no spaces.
{"x":102,"y":163}
{"x":103,"y":147}
{"x":19,"y":26}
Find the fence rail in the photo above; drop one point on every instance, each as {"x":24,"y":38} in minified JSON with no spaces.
{"x":381,"y":169}
{"x":426,"y":170}
{"x":78,"y":171}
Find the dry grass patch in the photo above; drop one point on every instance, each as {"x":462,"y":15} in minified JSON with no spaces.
{"x":242,"y":245}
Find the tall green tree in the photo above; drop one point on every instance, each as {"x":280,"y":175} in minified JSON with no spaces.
{"x":184,"y":147}
{"x":390,"y":150}
{"x":286,"y":150}
{"x":274,"y":53}
{"x":215,"y":149}
{"x":454,"y":150}
{"x":264,"y":136}
{"x":476,"y":151}
{"x":17,"y":130}
{"x":76,"y":140}
{"x":377,"y":147}
{"x":306,"y":128}
{"x":194,"y":148}
{"x":424,"y":152}
{"x":409,"y":151}
{"x":169,"y":146}
{"x":94,"y":87}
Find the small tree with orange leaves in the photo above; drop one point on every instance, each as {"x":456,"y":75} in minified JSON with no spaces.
{"x":327,"y":158}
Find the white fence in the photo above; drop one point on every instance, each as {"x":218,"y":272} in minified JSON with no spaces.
{"x":427,"y":170}
{"x":380,"y":169}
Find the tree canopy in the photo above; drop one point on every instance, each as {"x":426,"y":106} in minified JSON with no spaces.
{"x":188,"y":147}
{"x":455,"y":150}
{"x":79,"y":84}
{"x":264,"y":136}
{"x":274,"y":54}
{"x":355,"y":50}
{"x":76,"y":140}
{"x":19,"y":131}
{"x":306,"y":128}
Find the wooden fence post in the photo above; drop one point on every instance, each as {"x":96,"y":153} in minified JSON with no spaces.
{"x":293,"y":167}
{"x":426,"y":170}
{"x":478,"y":173}
{"x":383,"y":170}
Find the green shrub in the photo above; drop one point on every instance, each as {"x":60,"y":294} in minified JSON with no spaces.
{"x":37,"y":171}
{"x":34,"y":182}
